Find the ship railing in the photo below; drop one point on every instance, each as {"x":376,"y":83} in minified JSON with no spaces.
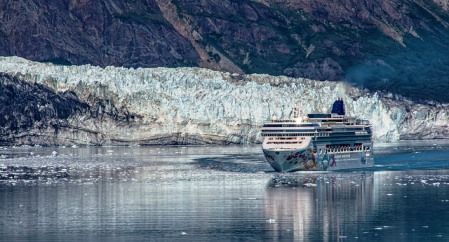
{"x":320,"y":134}
{"x":283,"y":142}
{"x":282,"y":121}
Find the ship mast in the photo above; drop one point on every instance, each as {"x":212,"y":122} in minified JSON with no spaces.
{"x":296,"y":116}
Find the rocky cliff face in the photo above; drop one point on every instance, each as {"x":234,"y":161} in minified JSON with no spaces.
{"x":395,"y":45}
{"x":53,"y":104}
{"x":110,"y":32}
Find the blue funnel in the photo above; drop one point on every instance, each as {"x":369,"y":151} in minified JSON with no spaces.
{"x":338,"y":107}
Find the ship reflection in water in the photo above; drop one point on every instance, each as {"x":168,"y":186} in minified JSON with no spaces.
{"x":326,"y":206}
{"x":217,"y":194}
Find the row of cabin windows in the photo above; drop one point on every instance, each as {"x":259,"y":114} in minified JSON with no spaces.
{"x":309,"y":134}
{"x":288,"y":138}
{"x":290,"y":125}
{"x":316,"y":130}
{"x":284,"y":142}
{"x":293,"y":134}
{"x":346,"y":149}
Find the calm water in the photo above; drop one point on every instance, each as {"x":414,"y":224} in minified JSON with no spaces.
{"x":218,"y":194}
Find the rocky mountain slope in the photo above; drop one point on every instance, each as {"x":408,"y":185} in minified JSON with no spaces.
{"x":394,"y":45}
{"x":54,"y":104}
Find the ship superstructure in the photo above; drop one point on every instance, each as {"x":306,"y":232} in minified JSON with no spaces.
{"x":321,"y":141}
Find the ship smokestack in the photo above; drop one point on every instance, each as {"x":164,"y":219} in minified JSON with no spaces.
{"x":338,"y":107}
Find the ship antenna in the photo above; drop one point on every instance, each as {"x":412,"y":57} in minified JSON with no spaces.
{"x":296,"y":114}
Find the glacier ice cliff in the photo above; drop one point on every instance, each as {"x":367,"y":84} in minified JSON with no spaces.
{"x":116,"y":105}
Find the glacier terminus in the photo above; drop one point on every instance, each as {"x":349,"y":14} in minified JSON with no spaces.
{"x":126,"y":106}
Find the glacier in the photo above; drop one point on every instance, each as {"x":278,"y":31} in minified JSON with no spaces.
{"x":192,"y":105}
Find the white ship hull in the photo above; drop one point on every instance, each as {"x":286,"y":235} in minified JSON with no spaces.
{"x":305,"y":160}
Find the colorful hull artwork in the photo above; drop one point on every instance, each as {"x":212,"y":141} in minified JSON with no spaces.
{"x":307,"y":160}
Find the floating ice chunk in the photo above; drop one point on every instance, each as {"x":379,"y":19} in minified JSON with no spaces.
{"x":248,"y":198}
{"x":271,"y":221}
{"x":389,"y":194}
{"x":309,"y":184}
{"x":54,"y":153}
{"x":183,"y":233}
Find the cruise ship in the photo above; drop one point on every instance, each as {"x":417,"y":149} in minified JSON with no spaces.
{"x":320,"y":141}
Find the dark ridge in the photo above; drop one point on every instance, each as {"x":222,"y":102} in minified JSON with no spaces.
{"x":120,"y":33}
